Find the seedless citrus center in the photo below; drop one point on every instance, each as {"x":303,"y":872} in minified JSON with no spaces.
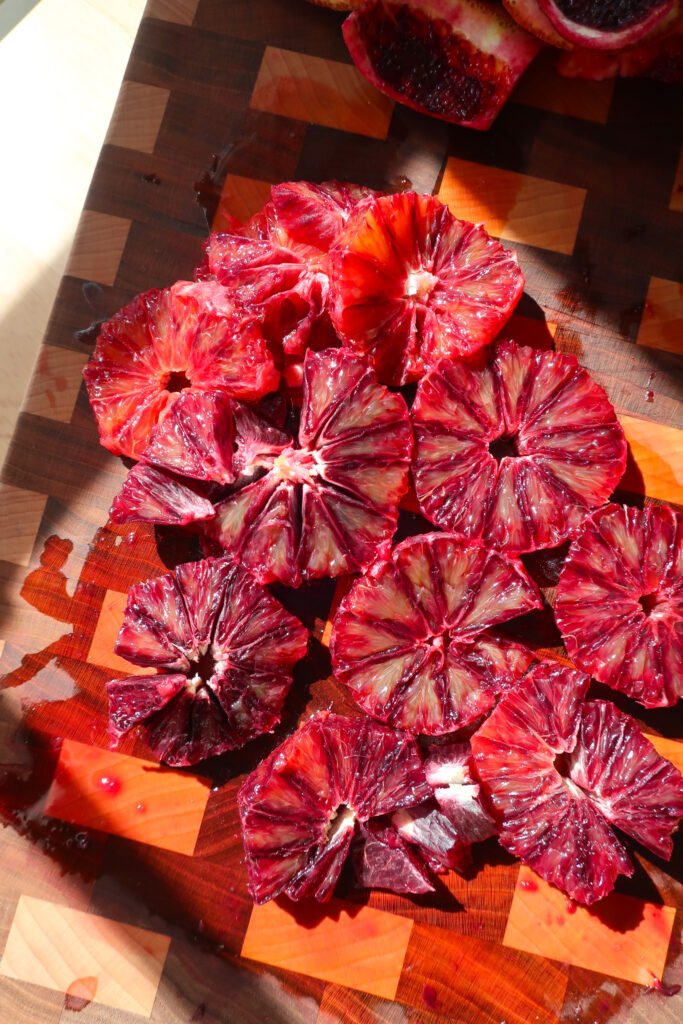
{"x":205,"y":668}
{"x":504,"y":447}
{"x":420,"y":284}
{"x":655,"y":605}
{"x":177,"y":381}
{"x":342,"y":820}
{"x":297,"y":464}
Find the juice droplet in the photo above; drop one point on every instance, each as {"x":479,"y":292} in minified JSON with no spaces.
{"x":649,"y":396}
{"x":665,"y":990}
{"x":109,"y":784}
{"x":570,"y":907}
{"x":429,"y":997}
{"x":527,"y":884}
{"x":141,"y":808}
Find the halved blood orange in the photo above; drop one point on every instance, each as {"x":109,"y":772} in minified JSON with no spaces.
{"x":188,"y":336}
{"x":619,"y":601}
{"x":301,"y":806}
{"x":224,"y":649}
{"x":413,"y":639}
{"x":454,"y":59}
{"x":515,"y":448}
{"x":277,"y":264}
{"x":561,"y":771}
{"x":605,"y":24}
{"x":325,"y":502}
{"x":410,"y":283}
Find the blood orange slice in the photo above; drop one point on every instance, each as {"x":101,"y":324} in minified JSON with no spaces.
{"x":411,"y":283}
{"x":277,"y":264}
{"x":225,"y":650}
{"x":529,"y":15}
{"x":188,"y":336}
{"x":560,"y":772}
{"x":326,"y":502}
{"x":620,"y":601}
{"x":449,"y":771}
{"x":412,"y":639}
{"x":300,"y":807}
{"x":515,"y":449}
{"x":454,"y":59}
{"x":605,"y":24}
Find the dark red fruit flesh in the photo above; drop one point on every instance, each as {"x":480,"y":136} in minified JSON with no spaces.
{"x":227,"y":649}
{"x":604,"y":24}
{"x":325,"y":502}
{"x":414,"y":640}
{"x":300,"y":808}
{"x":454,"y":59}
{"x":619,"y":601}
{"x":560,"y":771}
{"x":514,"y":449}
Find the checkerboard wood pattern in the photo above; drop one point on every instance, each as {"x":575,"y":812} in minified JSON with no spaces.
{"x":123,"y":885}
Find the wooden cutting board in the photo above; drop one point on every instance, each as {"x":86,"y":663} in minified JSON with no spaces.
{"x":122,"y":889}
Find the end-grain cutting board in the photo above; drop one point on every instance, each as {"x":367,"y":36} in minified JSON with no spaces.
{"x":122,"y":887}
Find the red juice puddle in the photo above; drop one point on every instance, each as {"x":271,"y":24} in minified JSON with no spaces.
{"x":528,"y":885}
{"x":80,"y":994}
{"x":665,"y":990}
{"x":429,"y":997}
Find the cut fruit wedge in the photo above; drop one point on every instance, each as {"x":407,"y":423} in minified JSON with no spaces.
{"x":326,"y":502}
{"x":454,"y":59}
{"x":300,"y":807}
{"x":224,"y":649}
{"x":605,"y":24}
{"x":516,"y":448}
{"x":190,"y":336}
{"x":619,"y":601}
{"x":411,"y":284}
{"x":276,"y":265}
{"x":413,"y":639}
{"x":561,"y":772}
{"x":529,"y":15}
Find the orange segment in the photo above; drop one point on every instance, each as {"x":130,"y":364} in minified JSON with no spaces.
{"x":127,"y":797}
{"x":342,"y":943}
{"x":621,"y":936}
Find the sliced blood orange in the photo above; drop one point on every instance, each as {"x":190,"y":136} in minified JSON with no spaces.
{"x":619,"y":601}
{"x":449,"y":771}
{"x":301,"y":806}
{"x":561,"y":771}
{"x":277,"y":264}
{"x":225,"y":650}
{"x":188,"y":336}
{"x":515,"y":448}
{"x":412,"y":639}
{"x":411,"y":283}
{"x":326,"y":502}
{"x":605,"y":24}
{"x":454,"y":59}
{"x":383,"y":859}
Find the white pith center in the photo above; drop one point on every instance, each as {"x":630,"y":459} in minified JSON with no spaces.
{"x":419,"y":284}
{"x":342,"y":820}
{"x":297,"y":464}
{"x":221,"y":661}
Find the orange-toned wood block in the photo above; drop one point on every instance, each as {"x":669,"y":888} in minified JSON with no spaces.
{"x":661,"y":325}
{"x":339,"y":942}
{"x":55,"y":383}
{"x":621,"y":936}
{"x":320,"y":91}
{"x":514,"y":206}
{"x":180,"y":11}
{"x":98,"y":247}
{"x":106,"y":631}
{"x":343,"y":1006}
{"x":672,"y":750}
{"x":467,"y":979}
{"x":542,"y":87}
{"x":342,"y":588}
{"x":657,"y":452}
{"x":137,"y":118}
{"x":241,"y":198}
{"x":677,"y":192}
{"x":20,"y":515}
{"x":85,"y":955}
{"x":128,"y":797}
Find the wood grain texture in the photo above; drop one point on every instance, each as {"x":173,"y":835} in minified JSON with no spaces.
{"x":580,"y":177}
